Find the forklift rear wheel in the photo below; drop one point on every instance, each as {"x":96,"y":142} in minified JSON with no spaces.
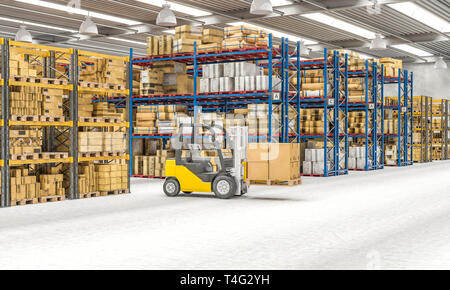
{"x":171,"y":187}
{"x":224,"y":187}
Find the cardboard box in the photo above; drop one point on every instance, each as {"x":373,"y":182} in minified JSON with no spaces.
{"x":258,"y":170}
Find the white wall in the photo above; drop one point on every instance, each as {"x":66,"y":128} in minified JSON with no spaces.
{"x":427,"y":81}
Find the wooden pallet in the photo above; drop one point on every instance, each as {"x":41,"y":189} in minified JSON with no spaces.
{"x":53,"y":155}
{"x":52,"y":119}
{"x":89,"y":195}
{"x":101,"y":154}
{"x":24,"y":79}
{"x":34,"y":156}
{"x":114,"y":192}
{"x":51,"y":81}
{"x":24,"y":201}
{"x":100,"y":120}
{"x":271,"y":182}
{"x":25,"y":118}
{"x":51,"y":198}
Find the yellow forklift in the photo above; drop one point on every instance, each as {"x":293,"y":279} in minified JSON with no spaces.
{"x":196,"y":173}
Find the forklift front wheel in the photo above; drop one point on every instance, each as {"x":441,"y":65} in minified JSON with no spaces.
{"x":171,"y":187}
{"x":224,"y":186}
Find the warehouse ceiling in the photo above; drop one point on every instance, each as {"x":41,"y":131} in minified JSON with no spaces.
{"x":127,"y":23}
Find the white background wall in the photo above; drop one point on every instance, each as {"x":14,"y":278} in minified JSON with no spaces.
{"x":427,"y":81}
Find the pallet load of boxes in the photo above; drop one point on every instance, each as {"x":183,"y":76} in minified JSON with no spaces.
{"x":102,"y":177}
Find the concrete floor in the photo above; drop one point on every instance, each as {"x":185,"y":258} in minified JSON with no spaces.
{"x":390,"y":219}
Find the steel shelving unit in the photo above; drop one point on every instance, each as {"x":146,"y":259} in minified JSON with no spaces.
{"x":404,"y":136}
{"x":56,"y":133}
{"x":373,"y":107}
{"x":47,"y":57}
{"x":441,"y":132}
{"x":287,"y":99}
{"x":422,"y":120}
{"x":334,"y":102}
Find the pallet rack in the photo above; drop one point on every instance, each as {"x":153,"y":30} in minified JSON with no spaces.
{"x":56,"y":132}
{"x":286,"y":99}
{"x":441,"y":116}
{"x":422,"y":114}
{"x":334,"y":102}
{"x":373,"y":107}
{"x":85,"y":58}
{"x":404,"y":136}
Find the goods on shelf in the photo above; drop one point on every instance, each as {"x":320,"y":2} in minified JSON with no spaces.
{"x":314,"y":154}
{"x":390,"y":154}
{"x":239,"y":76}
{"x":111,"y":177}
{"x":258,"y":119}
{"x":107,"y":110}
{"x":104,"y":71}
{"x":85,"y":105}
{"x":391,"y":66}
{"x":26,"y":141}
{"x":35,"y":101}
{"x":166,"y":78}
{"x":101,"y":142}
{"x":357,"y":122}
{"x":390,"y":122}
{"x":244,"y":36}
{"x":161,"y":119}
{"x":273,"y":161}
{"x":25,"y":186}
{"x":152,"y":165}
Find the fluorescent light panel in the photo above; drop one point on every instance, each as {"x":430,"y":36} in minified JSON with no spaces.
{"x":412,"y":50}
{"x":339,"y":24}
{"x":276,"y":3}
{"x":177,"y":7}
{"x":79,"y":11}
{"x":128,"y":40}
{"x":37,"y":24}
{"x":276,"y":33}
{"x":420,"y":14}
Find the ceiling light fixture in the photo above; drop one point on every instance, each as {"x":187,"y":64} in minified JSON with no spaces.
{"x":440,"y":63}
{"x":178,"y":7}
{"x":166,"y":16}
{"x":420,"y":14}
{"x":23,"y":35}
{"x":88,"y":27}
{"x":339,"y":24}
{"x":77,"y":11}
{"x":378,"y":43}
{"x":412,"y":50}
{"x":261,"y":7}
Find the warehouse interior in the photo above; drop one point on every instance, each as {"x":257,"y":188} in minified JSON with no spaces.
{"x":245,"y":134}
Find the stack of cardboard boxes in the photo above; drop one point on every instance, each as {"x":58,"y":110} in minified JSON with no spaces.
{"x":211,"y":40}
{"x":90,"y":142}
{"x":152,"y":165}
{"x":244,"y":36}
{"x":390,"y":122}
{"x":357,"y":122}
{"x":27,"y":141}
{"x":25,"y":186}
{"x":161,"y":119}
{"x":111,"y":177}
{"x":166,"y":78}
{"x":390,"y":154}
{"x":87,"y":181}
{"x":105,"y":71}
{"x":391,"y":66}
{"x":273,"y":161}
{"x":258,"y":120}
{"x":239,"y":76}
